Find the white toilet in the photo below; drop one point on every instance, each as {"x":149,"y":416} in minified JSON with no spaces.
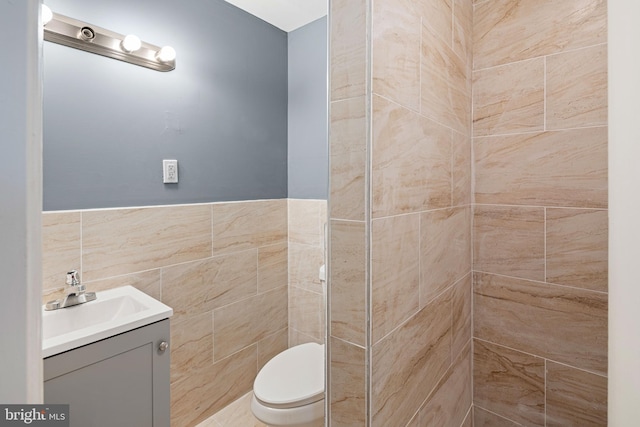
{"x":289,"y":389}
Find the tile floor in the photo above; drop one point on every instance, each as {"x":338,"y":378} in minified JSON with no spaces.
{"x":237,"y":414}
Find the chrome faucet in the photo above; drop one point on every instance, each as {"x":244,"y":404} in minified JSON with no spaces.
{"x":75,"y":294}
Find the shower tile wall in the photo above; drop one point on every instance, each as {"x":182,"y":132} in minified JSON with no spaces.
{"x":401,"y":213}
{"x":540,"y":220}
{"x":348,"y":203}
{"x":222,"y":267}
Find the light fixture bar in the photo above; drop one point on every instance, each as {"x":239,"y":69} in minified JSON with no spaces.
{"x":80,"y":35}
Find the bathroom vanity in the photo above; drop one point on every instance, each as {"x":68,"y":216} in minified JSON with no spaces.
{"x":119,"y":380}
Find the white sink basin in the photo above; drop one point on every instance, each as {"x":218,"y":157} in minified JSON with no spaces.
{"x":113,"y":312}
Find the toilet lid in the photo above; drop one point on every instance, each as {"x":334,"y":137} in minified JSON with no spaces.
{"x":295,"y":376}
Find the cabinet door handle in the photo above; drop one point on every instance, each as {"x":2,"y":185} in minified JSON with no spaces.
{"x":163,"y":346}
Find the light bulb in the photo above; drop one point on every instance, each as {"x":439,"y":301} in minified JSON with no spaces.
{"x":47,"y":14}
{"x":166,"y":54}
{"x":131,"y":43}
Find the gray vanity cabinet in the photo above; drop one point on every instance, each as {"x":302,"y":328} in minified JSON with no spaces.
{"x":120,"y":381}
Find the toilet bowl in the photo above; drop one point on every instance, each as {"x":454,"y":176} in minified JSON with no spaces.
{"x":289,"y":389}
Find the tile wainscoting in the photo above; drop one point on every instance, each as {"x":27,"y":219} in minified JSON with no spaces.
{"x":241,"y":277}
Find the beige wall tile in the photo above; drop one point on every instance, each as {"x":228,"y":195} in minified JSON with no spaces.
{"x":451,"y":400}
{"x":509,"y":99}
{"x":445,"y":250}
{"x":198,"y":396}
{"x":245,"y":225}
{"x":437,"y":55}
{"x":563,"y":324}
{"x":348,"y":395}
{"x":306,"y":312}
{"x":445,"y":104}
{"x":509,"y":240}
{"x":564,"y":168}
{"x":411,"y":166}
{"x":348,"y":158}
{"x":445,"y":83}
{"x":482,"y":418}
{"x":201,"y":286}
{"x":148,"y":282}
{"x":437,"y":15}
{"x":273,"y":266}
{"x":408,"y":363}
{"x":305,"y":224}
{"x":506,"y":31}
{"x":575,"y":397}
{"x":348,"y":281}
{"x":271,"y":346}
{"x":304,"y":266}
{"x":577,"y":248}
{"x":395,"y":37}
{"x":463,"y":30}
{"x":246,"y":322}
{"x":348,"y":48}
{"x":121,"y":241}
{"x":461,"y":315}
{"x":461,"y":173}
{"x":60,"y":247}
{"x":509,"y":383}
{"x":395,"y":272}
{"x":577,"y":88}
{"x":191,"y":344}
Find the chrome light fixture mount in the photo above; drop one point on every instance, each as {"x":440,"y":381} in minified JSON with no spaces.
{"x":91,"y":38}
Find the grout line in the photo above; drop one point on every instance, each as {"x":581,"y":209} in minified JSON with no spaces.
{"x":544,"y":95}
{"x":538,"y":57}
{"x":498,"y":415}
{"x":419,"y":113}
{"x":419,"y":262}
{"x":453,"y":26}
{"x":545,"y":392}
{"x":451,"y":168}
{"x":420,"y":67}
{"x":360,"y":346}
{"x":541,"y":282}
{"x":415,"y":313}
{"x":540,"y":131}
{"x":539,"y":357}
{"x":507,"y":205}
{"x":545,"y":246}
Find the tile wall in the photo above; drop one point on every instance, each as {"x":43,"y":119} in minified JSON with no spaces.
{"x":223,"y":268}
{"x":401,"y":213}
{"x":540,"y":219}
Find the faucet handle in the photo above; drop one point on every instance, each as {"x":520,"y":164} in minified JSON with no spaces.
{"x":73,"y":278}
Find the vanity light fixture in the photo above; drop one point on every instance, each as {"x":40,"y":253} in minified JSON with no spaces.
{"x":80,"y":35}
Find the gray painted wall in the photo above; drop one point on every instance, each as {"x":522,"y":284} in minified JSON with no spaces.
{"x":222,"y":113}
{"x":308,"y":146}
